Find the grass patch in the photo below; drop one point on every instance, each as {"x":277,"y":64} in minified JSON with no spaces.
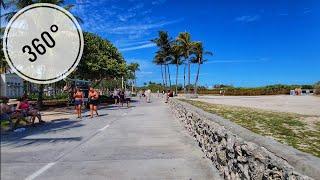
{"x":5,"y":125}
{"x":287,"y":128}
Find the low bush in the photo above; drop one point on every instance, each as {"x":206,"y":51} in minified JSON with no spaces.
{"x":266,"y":90}
{"x":59,"y":96}
{"x":317,"y":88}
{"x":105,"y":99}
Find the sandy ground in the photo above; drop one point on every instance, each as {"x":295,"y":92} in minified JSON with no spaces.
{"x":306,"y":105}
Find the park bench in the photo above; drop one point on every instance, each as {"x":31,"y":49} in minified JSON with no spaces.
{"x":27,"y":119}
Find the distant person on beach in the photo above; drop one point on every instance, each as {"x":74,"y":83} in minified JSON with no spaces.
{"x":26,"y":109}
{"x":93,"y":101}
{"x":78,"y":100}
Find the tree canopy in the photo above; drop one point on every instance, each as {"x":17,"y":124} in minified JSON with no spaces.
{"x":100,"y":59}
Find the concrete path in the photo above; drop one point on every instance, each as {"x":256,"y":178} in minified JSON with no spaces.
{"x":142,"y":142}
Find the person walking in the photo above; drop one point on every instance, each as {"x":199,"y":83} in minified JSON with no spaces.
{"x":140,"y":94}
{"x":116,"y":96}
{"x":78,"y":100}
{"x":127,"y":97}
{"x":148,"y":95}
{"x":167,"y":96}
{"x":93,"y":101}
{"x":121,"y":95}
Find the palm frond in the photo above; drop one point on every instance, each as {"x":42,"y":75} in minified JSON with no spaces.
{"x":8,"y":16}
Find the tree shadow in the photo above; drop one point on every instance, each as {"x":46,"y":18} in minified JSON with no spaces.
{"x":57,"y":125}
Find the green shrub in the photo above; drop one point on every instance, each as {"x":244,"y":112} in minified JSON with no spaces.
{"x":317,"y":88}
{"x":105,"y":99}
{"x":257,"y":91}
{"x":59,"y":96}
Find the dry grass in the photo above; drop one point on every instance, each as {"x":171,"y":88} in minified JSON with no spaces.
{"x":287,"y":128}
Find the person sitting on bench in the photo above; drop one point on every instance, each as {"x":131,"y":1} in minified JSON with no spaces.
{"x":26,"y":109}
{"x":8,"y":115}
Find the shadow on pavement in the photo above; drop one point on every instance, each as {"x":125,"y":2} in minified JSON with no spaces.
{"x":31,"y":141}
{"x":53,"y":126}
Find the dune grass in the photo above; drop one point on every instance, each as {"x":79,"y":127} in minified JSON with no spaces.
{"x":287,"y":128}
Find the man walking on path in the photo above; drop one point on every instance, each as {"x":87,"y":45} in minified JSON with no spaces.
{"x":93,"y":101}
{"x":116,"y":96}
{"x":148,"y":95}
{"x":127,"y":97}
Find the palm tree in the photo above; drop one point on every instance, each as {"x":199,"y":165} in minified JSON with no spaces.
{"x":185,"y":44}
{"x":159,"y":60}
{"x":164,"y":44}
{"x":176,"y":55}
{"x":20,"y":4}
{"x":199,"y":53}
{"x":2,"y":4}
{"x":134,"y":67}
{"x":168,"y":66}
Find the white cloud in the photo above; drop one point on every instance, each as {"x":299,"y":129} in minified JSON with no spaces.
{"x":307,"y":11}
{"x":283,"y":14}
{"x":157,"y":2}
{"x":149,"y":45}
{"x":136,"y":7}
{"x":132,"y":29}
{"x":261,"y":60}
{"x":248,"y":18}
{"x":142,"y":73}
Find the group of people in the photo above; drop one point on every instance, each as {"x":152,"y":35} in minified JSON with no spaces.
{"x":145,"y":94}
{"x":24,"y":109}
{"x":93,"y":101}
{"x":120,"y":97}
{"x":21,"y":111}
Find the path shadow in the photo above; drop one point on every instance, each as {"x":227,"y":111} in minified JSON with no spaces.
{"x":32,"y":141}
{"x":102,"y":115}
{"x":53,"y":126}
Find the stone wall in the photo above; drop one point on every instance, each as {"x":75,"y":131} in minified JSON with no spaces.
{"x":241,"y":154}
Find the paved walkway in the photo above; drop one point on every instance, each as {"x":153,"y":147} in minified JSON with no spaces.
{"x":142,"y":142}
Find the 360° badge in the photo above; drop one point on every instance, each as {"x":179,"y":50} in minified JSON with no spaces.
{"x":43,"y":43}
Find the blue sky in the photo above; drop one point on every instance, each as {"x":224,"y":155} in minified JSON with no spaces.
{"x":254,"y":42}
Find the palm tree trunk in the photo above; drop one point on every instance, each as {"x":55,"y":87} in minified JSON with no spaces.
{"x":197,"y":78}
{"x":189,"y":71}
{"x":165,"y":75}
{"x":169,"y":75}
{"x":184,"y":78}
{"x":162,"y":76}
{"x":133,"y":82}
{"x":177,"y":71}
